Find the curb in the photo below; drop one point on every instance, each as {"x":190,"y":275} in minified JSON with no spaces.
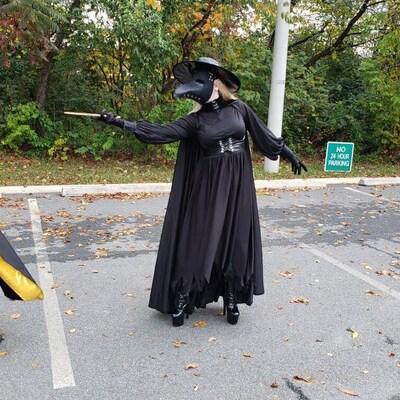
{"x":79,"y":190}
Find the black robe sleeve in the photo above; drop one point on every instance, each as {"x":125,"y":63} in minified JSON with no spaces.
{"x":264,"y":139}
{"x":154,"y":133}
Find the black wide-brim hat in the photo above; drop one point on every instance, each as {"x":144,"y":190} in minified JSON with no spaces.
{"x":183,"y":72}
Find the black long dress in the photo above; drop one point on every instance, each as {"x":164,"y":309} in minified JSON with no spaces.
{"x":211,"y":229}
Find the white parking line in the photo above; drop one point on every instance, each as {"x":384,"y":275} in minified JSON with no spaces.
{"x":371,"y":195}
{"x":60,"y":362}
{"x":386,"y":289}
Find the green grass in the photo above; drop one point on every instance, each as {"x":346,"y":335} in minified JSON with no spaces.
{"x":19,"y":171}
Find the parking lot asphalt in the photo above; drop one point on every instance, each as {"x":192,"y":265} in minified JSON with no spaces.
{"x":326,"y":328}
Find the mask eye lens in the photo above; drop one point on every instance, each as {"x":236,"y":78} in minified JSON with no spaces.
{"x":200,"y":81}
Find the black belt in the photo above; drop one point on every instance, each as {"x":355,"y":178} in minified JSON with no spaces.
{"x":225,"y":145}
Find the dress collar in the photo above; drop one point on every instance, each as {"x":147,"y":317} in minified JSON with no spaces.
{"x":216,"y":104}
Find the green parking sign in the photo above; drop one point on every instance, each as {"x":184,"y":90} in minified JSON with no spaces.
{"x":339,"y":156}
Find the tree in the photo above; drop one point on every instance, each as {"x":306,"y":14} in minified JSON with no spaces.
{"x":58,"y":40}
{"x":24,"y":27}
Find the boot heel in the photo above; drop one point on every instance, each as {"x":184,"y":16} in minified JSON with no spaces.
{"x":224,"y":311}
{"x":233,"y":316}
{"x":178,"y":319}
{"x":230,"y":303}
{"x":182,"y":309}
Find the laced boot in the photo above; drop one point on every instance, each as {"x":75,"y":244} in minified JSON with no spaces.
{"x":181,"y":308}
{"x":230,"y":303}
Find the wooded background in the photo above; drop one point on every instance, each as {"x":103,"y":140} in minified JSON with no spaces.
{"x":86,"y":55}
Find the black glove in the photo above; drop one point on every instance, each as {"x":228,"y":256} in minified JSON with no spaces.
{"x":110,"y":119}
{"x":297,"y":165}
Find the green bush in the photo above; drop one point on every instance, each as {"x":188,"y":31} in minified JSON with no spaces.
{"x":21,"y":127}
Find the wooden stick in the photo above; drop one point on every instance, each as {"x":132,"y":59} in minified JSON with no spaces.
{"x":81,"y":113}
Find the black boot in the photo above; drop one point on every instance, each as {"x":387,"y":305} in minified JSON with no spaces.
{"x":230,"y":303}
{"x":181,"y":308}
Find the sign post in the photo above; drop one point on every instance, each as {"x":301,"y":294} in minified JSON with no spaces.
{"x":339,"y":156}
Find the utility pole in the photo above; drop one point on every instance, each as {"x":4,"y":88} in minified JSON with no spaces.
{"x":278,"y":79}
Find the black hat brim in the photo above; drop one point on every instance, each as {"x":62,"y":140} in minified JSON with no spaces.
{"x":183,"y":73}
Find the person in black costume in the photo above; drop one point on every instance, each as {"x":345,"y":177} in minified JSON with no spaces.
{"x":210,"y":243}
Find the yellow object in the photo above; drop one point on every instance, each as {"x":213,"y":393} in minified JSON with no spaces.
{"x":19,"y":283}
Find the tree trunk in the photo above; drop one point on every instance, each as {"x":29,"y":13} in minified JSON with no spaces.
{"x":43,"y":85}
{"x":47,"y":67}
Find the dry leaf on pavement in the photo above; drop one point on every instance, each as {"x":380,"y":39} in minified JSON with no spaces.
{"x":349,"y":392}
{"x":306,"y":379}
{"x":101,"y":253}
{"x":299,"y":300}
{"x":191,"y":366}
{"x":372,"y":293}
{"x":202,"y":324}
{"x":354,"y":334}
{"x":178,"y":343}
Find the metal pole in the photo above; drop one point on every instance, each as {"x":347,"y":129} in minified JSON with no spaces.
{"x":277,"y":95}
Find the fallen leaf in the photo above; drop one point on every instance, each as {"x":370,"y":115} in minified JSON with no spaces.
{"x":144,"y":225}
{"x":306,"y":379}
{"x":70,"y":312}
{"x":3,"y":353}
{"x":248,"y":355}
{"x":15,"y":315}
{"x":299,"y":300}
{"x":116,"y":218}
{"x":287,"y":274}
{"x":354,"y":334}
{"x":349,"y":392}
{"x":191,"y":366}
{"x":95,"y":271}
{"x":391,"y":354}
{"x":195,"y":388}
{"x":101,"y":253}
{"x":274,"y":384}
{"x":202,"y":324}
{"x":68,"y":293}
{"x":178,"y":343}
{"x":372,"y":293}
{"x":72,"y":330}
{"x":392,"y":274}
{"x":212,"y":339}
{"x":129,"y":231}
